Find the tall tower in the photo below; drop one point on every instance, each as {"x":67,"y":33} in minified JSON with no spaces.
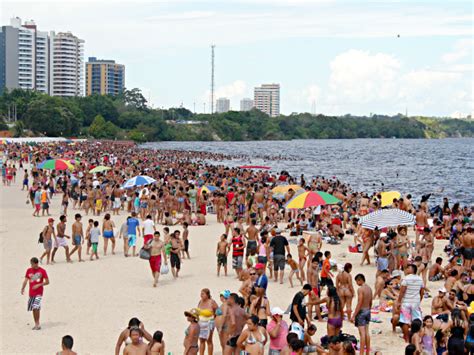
{"x":212,"y":78}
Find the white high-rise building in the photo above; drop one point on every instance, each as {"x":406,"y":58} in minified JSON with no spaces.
{"x":222,"y":105}
{"x":66,"y":65}
{"x":246,"y":104}
{"x":267,"y":99}
{"x":42,"y":61}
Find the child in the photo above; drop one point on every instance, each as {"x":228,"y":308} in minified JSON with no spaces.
{"x":222,"y":252}
{"x":95,"y":234}
{"x":294,"y":270}
{"x":427,"y":339}
{"x":186,"y":240}
{"x":252,"y":258}
{"x":302,"y":256}
{"x":88,"y":235}
{"x":441,"y":342}
{"x":416,"y":334}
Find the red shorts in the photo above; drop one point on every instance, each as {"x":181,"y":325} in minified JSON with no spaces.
{"x":37,"y":207}
{"x":155,"y":263}
{"x":147,"y":238}
{"x":420,"y":228}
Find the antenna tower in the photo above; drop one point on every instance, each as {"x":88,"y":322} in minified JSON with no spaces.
{"x":212,"y":78}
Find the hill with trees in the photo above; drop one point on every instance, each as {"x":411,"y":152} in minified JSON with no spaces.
{"x":130,"y":117}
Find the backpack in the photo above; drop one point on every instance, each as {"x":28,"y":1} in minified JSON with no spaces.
{"x":40,"y":239}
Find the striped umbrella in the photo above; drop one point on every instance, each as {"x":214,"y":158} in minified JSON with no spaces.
{"x":387,"y":218}
{"x":311,"y":199}
{"x":139,"y":180}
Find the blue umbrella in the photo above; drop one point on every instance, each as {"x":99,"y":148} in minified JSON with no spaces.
{"x":140,"y":180}
{"x":387,"y":218}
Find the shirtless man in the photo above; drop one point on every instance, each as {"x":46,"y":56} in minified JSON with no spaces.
{"x":77,"y":236}
{"x":421,"y":219}
{"x":157,"y":252}
{"x":402,"y":244}
{"x":222,"y":253}
{"x":439,"y":308}
{"x":361,"y":316}
{"x":467,"y":240}
{"x":345,"y":289}
{"x":48,"y":235}
{"x":136,"y":347}
{"x":60,"y":240}
{"x":315,"y":242}
{"x":234,"y":323}
{"x":382,"y":253}
{"x":260,"y":202}
{"x":436,"y":270}
{"x":67,"y":343}
{"x":252,"y":236}
{"x":302,"y":257}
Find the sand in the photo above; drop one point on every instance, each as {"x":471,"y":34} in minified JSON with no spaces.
{"x":93,"y":301}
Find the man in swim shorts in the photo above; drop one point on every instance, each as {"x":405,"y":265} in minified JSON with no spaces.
{"x":133,"y":231}
{"x":77,"y":236}
{"x":361,"y":315}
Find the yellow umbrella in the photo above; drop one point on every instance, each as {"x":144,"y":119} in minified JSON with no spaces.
{"x":283,"y":189}
{"x":388,"y":196}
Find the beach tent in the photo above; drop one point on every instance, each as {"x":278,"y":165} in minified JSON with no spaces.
{"x":387,"y":218}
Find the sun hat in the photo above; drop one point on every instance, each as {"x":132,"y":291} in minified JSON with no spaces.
{"x":277,"y":311}
{"x":193,"y":313}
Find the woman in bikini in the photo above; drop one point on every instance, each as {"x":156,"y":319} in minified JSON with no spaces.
{"x":345,"y":289}
{"x":191,"y":334}
{"x":253,"y":338}
{"x":221,"y":313}
{"x":335,"y":311}
{"x":157,"y":344}
{"x":260,"y":307}
{"x":207,"y":311}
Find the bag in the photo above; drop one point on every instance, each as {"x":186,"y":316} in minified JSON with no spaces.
{"x":144,"y":254}
{"x":27,"y":202}
{"x":164,"y":269}
{"x":348,"y":337}
{"x":40,"y":239}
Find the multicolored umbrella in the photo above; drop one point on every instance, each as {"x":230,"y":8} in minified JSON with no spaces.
{"x":99,"y":169}
{"x":55,"y":164}
{"x":283,"y":189}
{"x":387,"y":218}
{"x":311,"y":199}
{"x":140,"y":180}
{"x":207,"y":189}
{"x":389,"y":196}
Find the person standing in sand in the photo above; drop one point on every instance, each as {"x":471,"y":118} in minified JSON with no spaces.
{"x":345,"y":289}
{"x":133,"y":232}
{"x":190,"y":343}
{"x":77,"y":236}
{"x":234,"y":323}
{"x":136,"y":347}
{"x":175,"y":253}
{"x":37,"y":279}
{"x":157,"y":252}
{"x":67,"y":342}
{"x":48,"y":235}
{"x":207,"y":311}
{"x":60,"y":240}
{"x":222,"y":252}
{"x":108,"y":233}
{"x":361,"y":316}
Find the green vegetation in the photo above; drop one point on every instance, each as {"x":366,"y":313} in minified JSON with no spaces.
{"x":129,"y":117}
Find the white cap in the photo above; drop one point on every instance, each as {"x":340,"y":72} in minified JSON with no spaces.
{"x":383,"y":235}
{"x":278,"y":231}
{"x":277,"y":311}
{"x":442,"y":289}
{"x":396,"y":273}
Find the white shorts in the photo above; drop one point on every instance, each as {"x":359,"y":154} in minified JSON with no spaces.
{"x":117,"y":203}
{"x":60,"y":242}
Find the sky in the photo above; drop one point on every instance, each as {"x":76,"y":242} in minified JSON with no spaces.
{"x":330,"y":57}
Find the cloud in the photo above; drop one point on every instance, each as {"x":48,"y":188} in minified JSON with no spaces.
{"x":462,"y":48}
{"x":360,"y":77}
{"x":233,"y":91}
{"x":181,"y":16}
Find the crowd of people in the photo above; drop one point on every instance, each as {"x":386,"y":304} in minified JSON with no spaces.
{"x":262,"y":239}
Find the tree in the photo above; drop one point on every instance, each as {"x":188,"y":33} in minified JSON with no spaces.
{"x":94,"y":105}
{"x":134,"y":99}
{"x":18,"y":129}
{"x":102,"y":129}
{"x":53,"y":116}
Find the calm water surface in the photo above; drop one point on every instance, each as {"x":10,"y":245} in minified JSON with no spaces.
{"x":444,"y":167}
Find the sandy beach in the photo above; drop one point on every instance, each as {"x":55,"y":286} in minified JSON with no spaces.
{"x":93,"y":301}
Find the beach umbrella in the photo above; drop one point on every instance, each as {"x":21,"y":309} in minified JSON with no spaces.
{"x":258,"y":167}
{"x":387,"y":218}
{"x":140,"y":180}
{"x":99,"y":169}
{"x":55,"y":164}
{"x":207,"y":188}
{"x":388,"y":196}
{"x":4,"y":141}
{"x":312,"y":199}
{"x":283,"y":189}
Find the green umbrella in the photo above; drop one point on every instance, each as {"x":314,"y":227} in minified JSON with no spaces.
{"x":99,"y":169}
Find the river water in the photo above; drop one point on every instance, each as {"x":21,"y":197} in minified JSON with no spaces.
{"x":444,"y":167}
